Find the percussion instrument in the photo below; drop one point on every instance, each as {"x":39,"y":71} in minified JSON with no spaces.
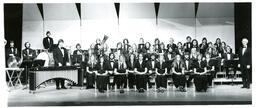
{"x":38,"y":76}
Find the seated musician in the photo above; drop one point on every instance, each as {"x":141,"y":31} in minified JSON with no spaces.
{"x":188,"y":45}
{"x":140,"y":72}
{"x":161,"y":72}
{"x":169,"y":57}
{"x":60,"y":56}
{"x":210,"y":68}
{"x":151,"y":65}
{"x":101,"y":75}
{"x":78,"y":55}
{"x":180,"y":49}
{"x":111,"y":66}
{"x":179,"y":78}
{"x":188,"y":68}
{"x":162,"y":48}
{"x":203,"y":46}
{"x":120,"y":73}
{"x":156,"y":45}
{"x":90,"y":71}
{"x":200,"y":71}
{"x":227,"y":59}
{"x":11,"y":52}
{"x":126,"y":47}
{"x":147,"y":51}
{"x":131,"y":66}
{"x":172,"y":45}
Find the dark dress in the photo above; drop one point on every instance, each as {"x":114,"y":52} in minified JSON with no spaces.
{"x":141,"y":48}
{"x":90,"y":77}
{"x":131,"y":76}
{"x":111,"y":66}
{"x":120,"y":80}
{"x":178,"y":80}
{"x":141,"y":80}
{"x":151,"y":65}
{"x":161,"y":80}
{"x":200,"y":80}
{"x":188,"y":65}
{"x":101,"y":81}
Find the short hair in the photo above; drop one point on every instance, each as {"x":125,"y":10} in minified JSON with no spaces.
{"x":188,"y":37}
{"x":61,"y":40}
{"x":78,"y":45}
{"x":11,"y":41}
{"x":245,"y":39}
{"x":48,"y":32}
{"x":26,"y":43}
{"x":126,"y":40}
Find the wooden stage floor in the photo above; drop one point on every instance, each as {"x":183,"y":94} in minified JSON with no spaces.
{"x":49,"y":96}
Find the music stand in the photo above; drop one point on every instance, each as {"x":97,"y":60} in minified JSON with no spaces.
{"x":27,"y":64}
{"x":38,"y":63}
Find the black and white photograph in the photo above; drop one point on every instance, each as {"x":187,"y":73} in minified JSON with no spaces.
{"x":127,"y":53}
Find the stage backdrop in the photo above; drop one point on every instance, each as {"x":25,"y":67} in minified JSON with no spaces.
{"x":131,"y":20}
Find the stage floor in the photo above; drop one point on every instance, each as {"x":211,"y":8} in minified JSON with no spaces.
{"x":49,"y":96}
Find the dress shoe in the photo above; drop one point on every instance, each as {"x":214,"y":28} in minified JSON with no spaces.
{"x":121,"y":91}
{"x":58,"y":88}
{"x":63,"y":88}
{"x":248,"y":87}
{"x":243,"y":87}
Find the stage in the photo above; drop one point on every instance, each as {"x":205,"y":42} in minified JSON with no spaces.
{"x":49,"y":96}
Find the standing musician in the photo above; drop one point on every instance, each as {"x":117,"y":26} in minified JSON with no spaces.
{"x":90,"y":71}
{"x":172,"y":45}
{"x":157,"y":45}
{"x":179,"y":78}
{"x":203,"y":46}
{"x":111,"y":67}
{"x":48,"y":41}
{"x":195,"y":45}
{"x":141,"y":46}
{"x":161,"y":72}
{"x":223,"y":48}
{"x":60,"y":55}
{"x":162,"y":48}
{"x":151,"y":66}
{"x":180,"y":49}
{"x":245,"y":63}
{"x":101,"y":75}
{"x":188,"y":65}
{"x":228,"y":60}
{"x":131,"y":64}
{"x":126,"y":47}
{"x":210,"y":68}
{"x":140,"y":72}
{"x":188,"y":44}
{"x":120,"y":73}
{"x":200,"y":71}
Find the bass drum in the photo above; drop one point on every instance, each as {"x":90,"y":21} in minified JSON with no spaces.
{"x":48,"y":57}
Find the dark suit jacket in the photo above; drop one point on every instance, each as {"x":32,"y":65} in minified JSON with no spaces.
{"x":187,"y":47}
{"x":46,"y":43}
{"x":26,"y":55}
{"x":8,"y":51}
{"x":150,"y":66}
{"x":246,"y":58}
{"x":161,"y":70}
{"x":59,"y":58}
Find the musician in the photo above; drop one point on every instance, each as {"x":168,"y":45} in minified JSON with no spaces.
{"x":188,"y":65}
{"x":180,"y":49}
{"x":90,"y":71}
{"x":245,"y":63}
{"x":161,"y":72}
{"x":28,"y":53}
{"x":48,"y":41}
{"x":195,"y":45}
{"x":188,"y":44}
{"x":200,"y":78}
{"x":156,"y":45}
{"x":126,"y":47}
{"x":131,"y":64}
{"x":227,"y":59}
{"x":102,"y":75}
{"x":120,"y":73}
{"x":218,"y":44}
{"x":172,"y":44}
{"x":111,"y":66}
{"x":141,"y":71}
{"x":210,"y":68}
{"x":151,"y":66}
{"x":141,"y":46}
{"x":11,"y":51}
{"x":194,"y":54}
{"x":169,"y":57}
{"x":147,"y":51}
{"x":162,"y":48}
{"x":179,"y":78}
{"x":78,"y":55}
{"x":60,"y":55}
{"x":98,"y":48}
{"x":203,"y":46}
{"x":119,"y":50}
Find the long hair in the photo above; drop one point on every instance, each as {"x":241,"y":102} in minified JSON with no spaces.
{"x":122,"y":60}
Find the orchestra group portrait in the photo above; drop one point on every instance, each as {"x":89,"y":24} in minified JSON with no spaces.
{"x":133,"y":66}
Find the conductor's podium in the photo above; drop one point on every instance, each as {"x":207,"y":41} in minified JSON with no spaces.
{"x":38,"y":76}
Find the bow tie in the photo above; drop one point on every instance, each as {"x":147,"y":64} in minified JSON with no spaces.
{"x":62,"y":48}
